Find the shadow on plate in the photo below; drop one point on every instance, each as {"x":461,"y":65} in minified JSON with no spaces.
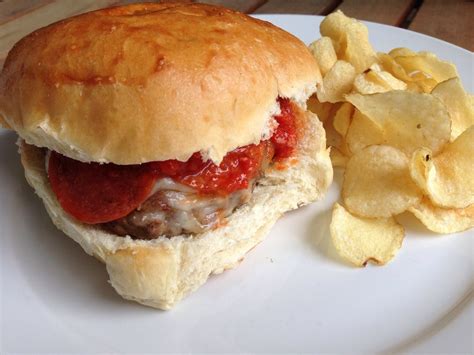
{"x":319,"y":237}
{"x":414,"y":228}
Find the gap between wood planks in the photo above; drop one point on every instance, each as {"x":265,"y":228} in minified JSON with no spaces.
{"x":411,"y":14}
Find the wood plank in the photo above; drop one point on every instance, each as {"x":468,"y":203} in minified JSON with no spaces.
{"x":447,"y":20}
{"x":11,"y":9}
{"x":320,"y":7}
{"x":246,"y":6}
{"x":390,"y":12}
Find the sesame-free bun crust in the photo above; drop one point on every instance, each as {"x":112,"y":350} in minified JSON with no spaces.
{"x":160,"y":272}
{"x":151,"y":82}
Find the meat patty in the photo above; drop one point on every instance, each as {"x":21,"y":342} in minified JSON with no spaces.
{"x":176,"y":209}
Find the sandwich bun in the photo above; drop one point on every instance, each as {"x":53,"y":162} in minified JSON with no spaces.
{"x":160,"y":272}
{"x":151,"y":82}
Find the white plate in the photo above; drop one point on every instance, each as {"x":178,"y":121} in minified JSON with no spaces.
{"x":292,"y":293}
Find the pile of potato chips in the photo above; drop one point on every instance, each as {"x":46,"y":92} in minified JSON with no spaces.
{"x":402,"y":126}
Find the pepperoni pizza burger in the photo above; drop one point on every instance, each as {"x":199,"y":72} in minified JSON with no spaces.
{"x":166,"y":139}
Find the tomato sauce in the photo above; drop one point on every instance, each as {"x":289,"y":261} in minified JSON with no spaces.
{"x":285,"y":138}
{"x":235,"y":172}
{"x":98,"y":193}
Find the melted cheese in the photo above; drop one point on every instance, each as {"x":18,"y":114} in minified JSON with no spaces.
{"x":174,"y":209}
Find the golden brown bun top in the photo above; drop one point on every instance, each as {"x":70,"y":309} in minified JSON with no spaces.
{"x":152,"y":82}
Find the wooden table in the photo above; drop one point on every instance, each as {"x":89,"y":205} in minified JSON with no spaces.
{"x":449,"y":20}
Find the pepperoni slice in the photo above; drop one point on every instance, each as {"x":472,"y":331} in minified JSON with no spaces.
{"x":98,"y":193}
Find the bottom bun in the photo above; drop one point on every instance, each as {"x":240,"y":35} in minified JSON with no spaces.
{"x":160,"y":272}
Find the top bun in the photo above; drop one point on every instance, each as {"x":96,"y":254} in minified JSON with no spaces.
{"x":150,"y":82}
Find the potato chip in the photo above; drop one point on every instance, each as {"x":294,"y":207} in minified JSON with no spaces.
{"x":376,"y":67}
{"x":417,"y":81}
{"x":320,"y":109}
{"x":333,"y":138}
{"x":324,"y":53}
{"x":423,"y":81}
{"x":426,"y":85}
{"x":345,"y":149}
{"x":408,"y":120}
{"x":447,"y":178}
{"x":420,"y":71}
{"x":429,"y":64}
{"x":362,"y":132}
{"x":377,"y":183}
{"x":401,"y":51}
{"x":460,"y":106}
{"x":350,"y":39}
{"x":323,"y":110}
{"x":377,"y":80}
{"x":390,"y":65}
{"x":337,"y":158}
{"x":365,"y":86}
{"x":386,"y":79}
{"x":443,"y":220}
{"x":342,"y":119}
{"x":414,"y":87}
{"x":337,"y":82}
{"x":360,"y":240}
{"x":418,"y":167}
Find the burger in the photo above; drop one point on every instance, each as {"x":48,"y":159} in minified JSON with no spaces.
{"x":165,"y":139}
